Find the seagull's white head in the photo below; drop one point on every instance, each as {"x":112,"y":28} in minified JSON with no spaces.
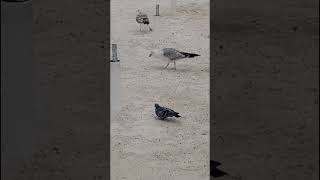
{"x":156,"y":53}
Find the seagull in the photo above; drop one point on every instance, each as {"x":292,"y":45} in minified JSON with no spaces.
{"x":142,"y":18}
{"x":171,"y":54}
{"x":163,"y":112}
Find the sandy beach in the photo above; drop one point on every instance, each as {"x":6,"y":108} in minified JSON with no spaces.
{"x":141,"y":146}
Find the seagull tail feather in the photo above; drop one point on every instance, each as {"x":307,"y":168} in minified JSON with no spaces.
{"x":189,"y":55}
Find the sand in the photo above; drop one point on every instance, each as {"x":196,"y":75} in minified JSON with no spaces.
{"x":141,"y":146}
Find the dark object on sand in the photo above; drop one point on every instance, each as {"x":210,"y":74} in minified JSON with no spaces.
{"x":214,"y":171}
{"x":163,"y":112}
{"x":114,"y":53}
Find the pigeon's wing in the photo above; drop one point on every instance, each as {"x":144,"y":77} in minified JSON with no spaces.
{"x":172,"y":54}
{"x":171,"y":112}
{"x":161,"y":112}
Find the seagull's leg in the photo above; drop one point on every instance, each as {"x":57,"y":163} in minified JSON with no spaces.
{"x":140,"y":27}
{"x":150,"y":28}
{"x":167,"y":65}
{"x":174,"y":62}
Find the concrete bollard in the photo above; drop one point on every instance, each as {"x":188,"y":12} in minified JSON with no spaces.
{"x":114,"y":53}
{"x":157,"y":10}
{"x":115,"y":90}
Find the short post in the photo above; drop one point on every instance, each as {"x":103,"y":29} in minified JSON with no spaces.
{"x":114,"y":53}
{"x":115,"y":82}
{"x":157,"y":10}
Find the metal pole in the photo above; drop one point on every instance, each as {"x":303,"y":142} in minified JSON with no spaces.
{"x":157,"y":10}
{"x":114,"y":53}
{"x":115,"y":82}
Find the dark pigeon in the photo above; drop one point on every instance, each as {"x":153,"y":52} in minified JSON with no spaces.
{"x":163,"y":112}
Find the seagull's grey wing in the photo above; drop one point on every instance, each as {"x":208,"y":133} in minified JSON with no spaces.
{"x":172,"y":54}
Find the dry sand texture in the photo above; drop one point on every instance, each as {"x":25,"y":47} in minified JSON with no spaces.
{"x":142,"y":147}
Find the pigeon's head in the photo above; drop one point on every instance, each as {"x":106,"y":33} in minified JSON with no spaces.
{"x":156,"y":105}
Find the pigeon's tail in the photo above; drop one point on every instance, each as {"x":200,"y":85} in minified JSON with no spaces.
{"x":189,"y":55}
{"x":177,"y":115}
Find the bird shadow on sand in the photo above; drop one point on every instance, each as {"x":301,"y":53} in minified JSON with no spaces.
{"x":142,"y":32}
{"x":168,"y":120}
{"x":171,"y":69}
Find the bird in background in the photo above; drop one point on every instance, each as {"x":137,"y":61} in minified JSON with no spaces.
{"x":142,"y":18}
{"x":163,"y":112}
{"x":171,"y":55}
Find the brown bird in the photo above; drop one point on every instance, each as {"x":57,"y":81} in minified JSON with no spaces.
{"x":142,"y":18}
